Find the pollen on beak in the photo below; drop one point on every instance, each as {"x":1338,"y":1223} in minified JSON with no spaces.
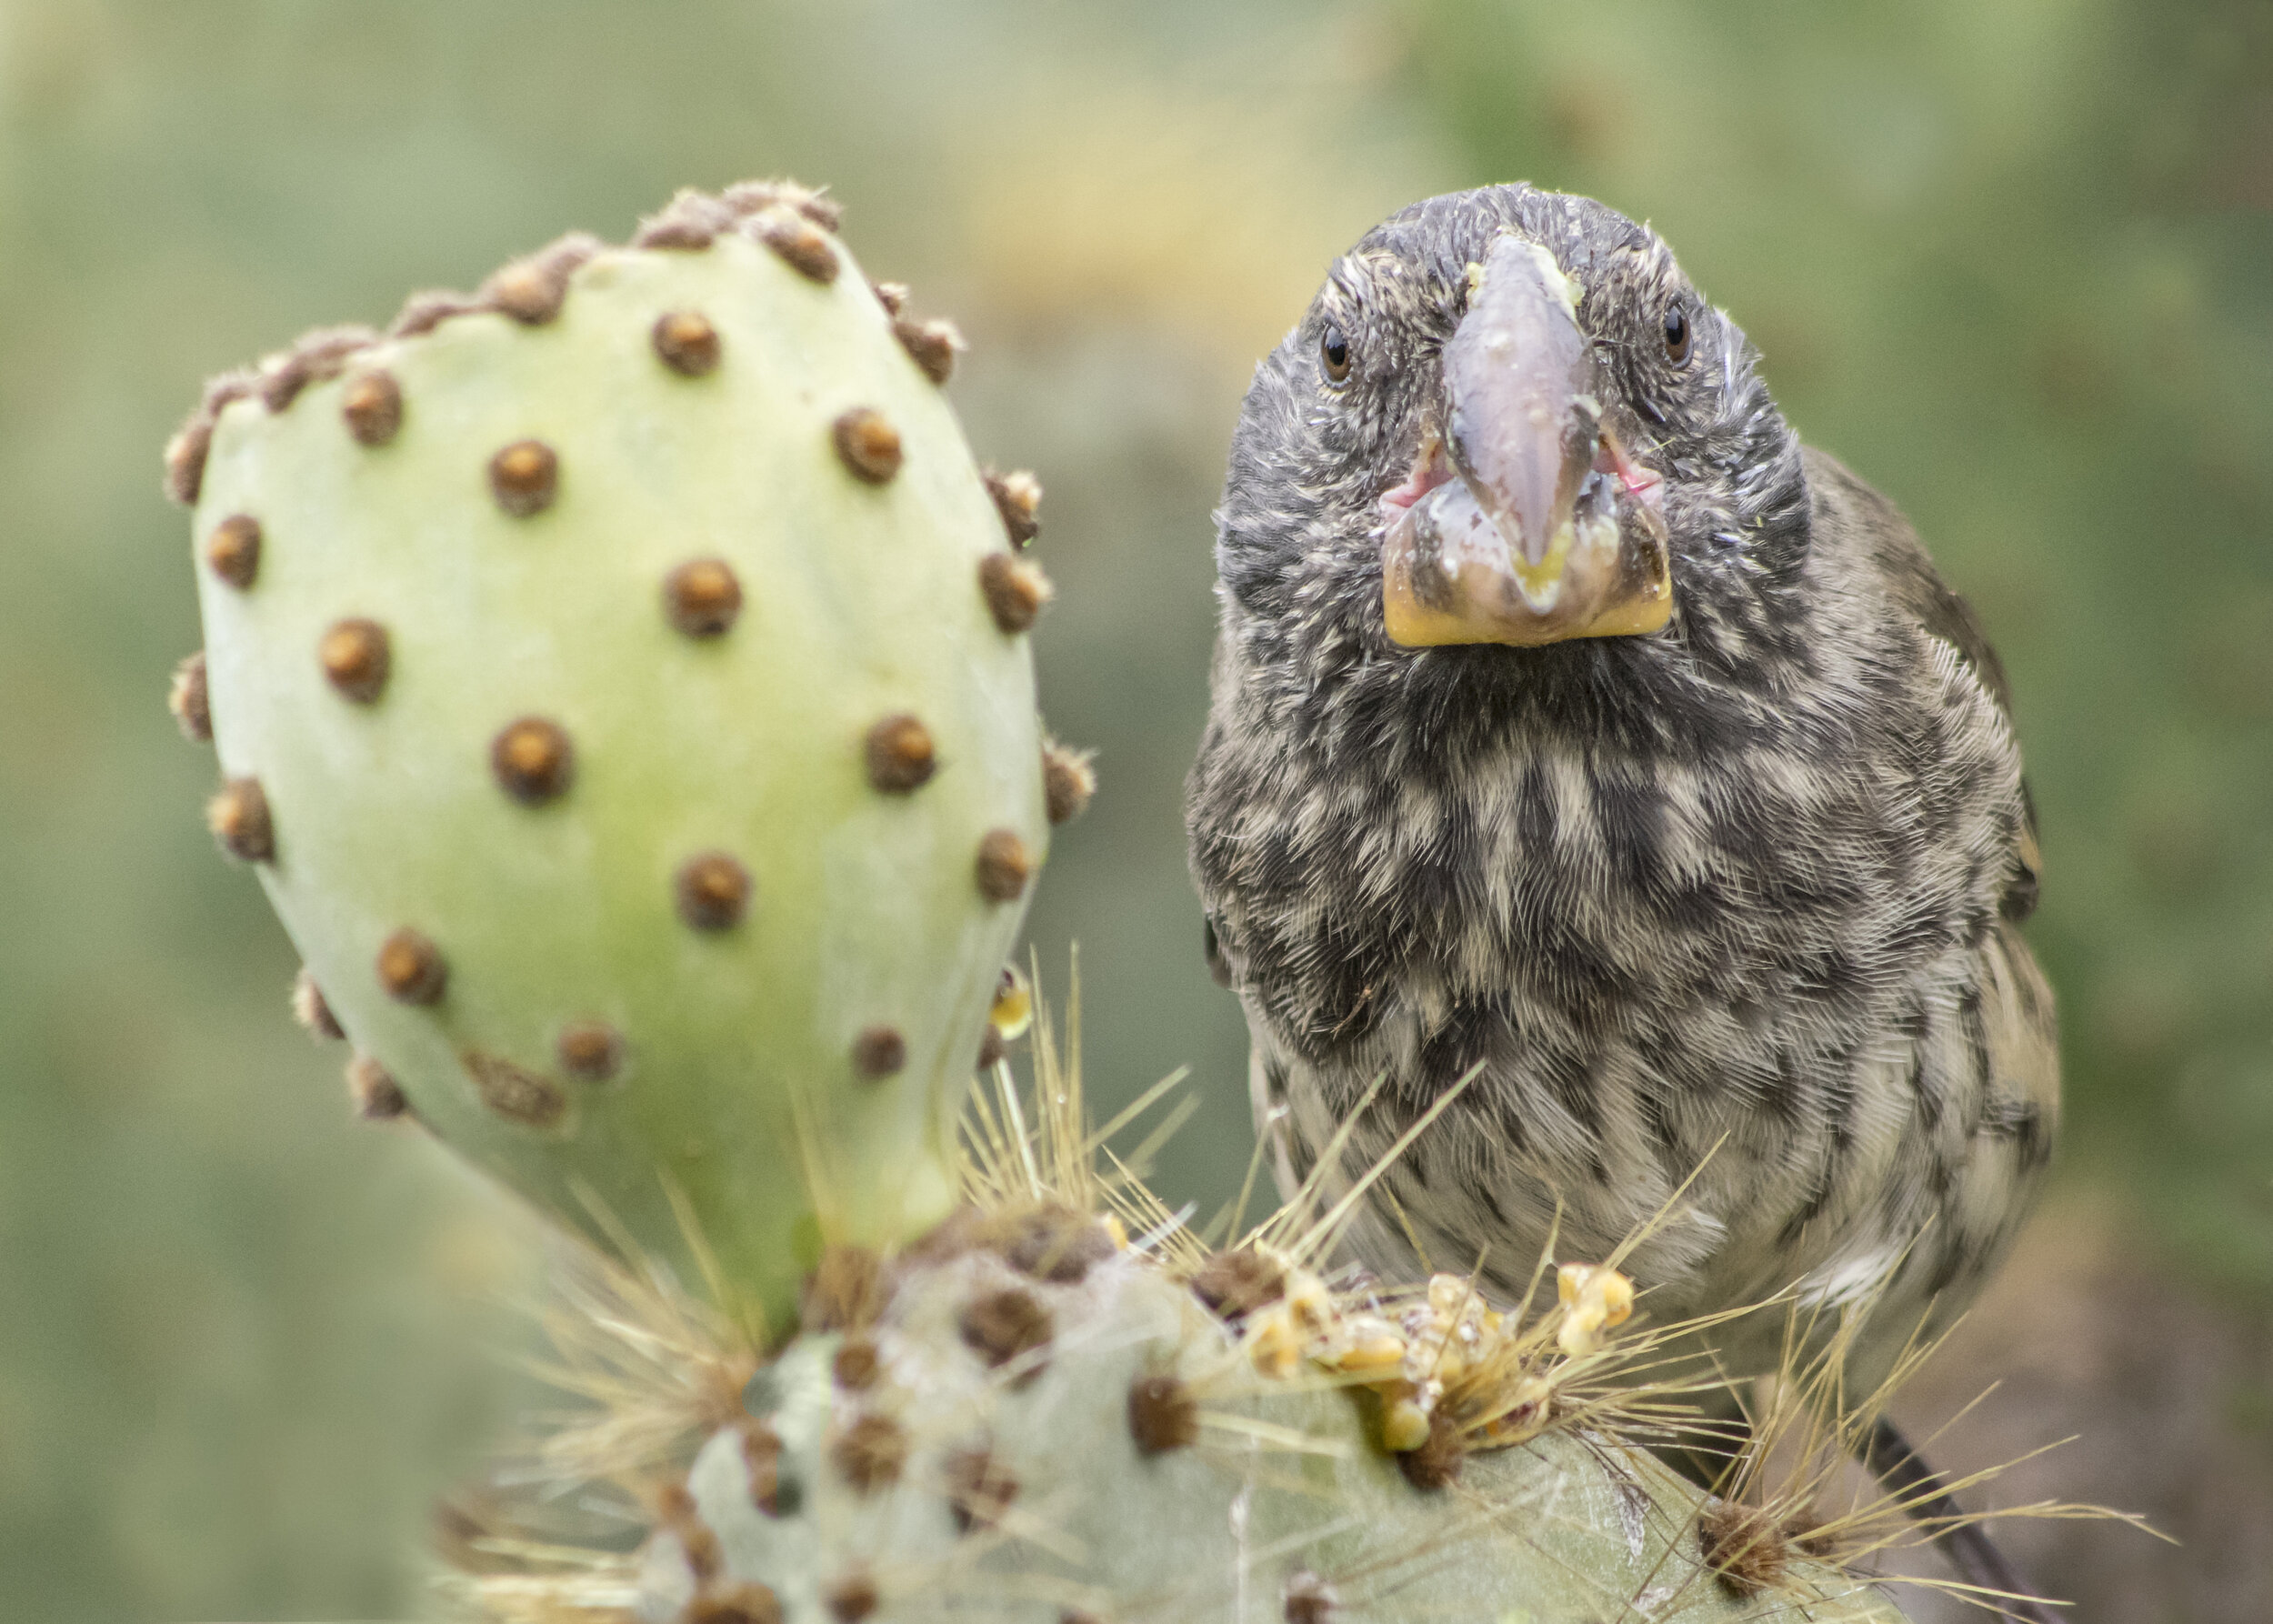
{"x":1526,"y":521}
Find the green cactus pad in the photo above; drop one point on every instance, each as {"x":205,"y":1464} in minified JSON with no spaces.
{"x":611,"y":682}
{"x":1120,"y":1460}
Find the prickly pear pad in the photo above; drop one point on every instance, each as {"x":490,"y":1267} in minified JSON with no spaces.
{"x":1023,"y":1492}
{"x":680,"y":940}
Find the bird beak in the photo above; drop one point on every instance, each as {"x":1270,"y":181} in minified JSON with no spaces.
{"x":1524,"y":520}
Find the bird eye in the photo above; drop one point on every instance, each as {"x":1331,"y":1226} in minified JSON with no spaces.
{"x":1334,"y":351}
{"x":1676,"y":334}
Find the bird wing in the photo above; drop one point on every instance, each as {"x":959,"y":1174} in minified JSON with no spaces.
{"x":1937,"y":611}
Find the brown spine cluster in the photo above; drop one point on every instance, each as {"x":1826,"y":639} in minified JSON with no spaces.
{"x":1018,"y":498}
{"x":856,"y":1365}
{"x":1004,"y":866}
{"x":1006,"y":1326}
{"x":524,"y":477}
{"x":685,"y":341}
{"x":751,"y":196}
{"x":372,"y":408}
{"x":714,"y":891}
{"x":677,"y":1511}
{"x":232,"y":550}
{"x":186,"y":452}
{"x":1236,"y":1283}
{"x":771,"y":1493}
{"x":693,"y":220}
{"x":514,"y":1092}
{"x":868,"y":445}
{"x":931,"y":345}
{"x":980,"y":1488}
{"x":532,"y":290}
{"x":851,"y":1598}
{"x":702,"y":597}
{"x":533,"y":759}
{"x":1307,"y":1599}
{"x":356,"y":658}
{"x":880,"y":1052}
{"x":312,"y":1010}
{"x":412,"y":968}
{"x":1052,"y":1242}
{"x":321,"y":354}
{"x":748,"y":1603}
{"x":238,"y":818}
{"x":1162,"y":1415}
{"x":745,"y":197}
{"x":801,"y":243}
{"x":1437,"y":1462}
{"x":844,"y":1291}
{"x":1015,"y":591}
{"x":377,"y":1096}
{"x":870,"y":1452}
{"x":689,"y":223}
{"x":1067,"y":781}
{"x":591,"y":1051}
{"x":1748,"y":1547}
{"x":422,"y":313}
{"x":899,"y":754}
{"x":188,"y":700}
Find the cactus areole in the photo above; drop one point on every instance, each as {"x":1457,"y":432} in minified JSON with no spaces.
{"x":551,"y":634}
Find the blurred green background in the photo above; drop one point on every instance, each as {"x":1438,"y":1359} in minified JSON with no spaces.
{"x":2010,"y":259}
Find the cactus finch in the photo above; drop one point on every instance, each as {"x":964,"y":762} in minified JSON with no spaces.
{"x":1576,"y":727}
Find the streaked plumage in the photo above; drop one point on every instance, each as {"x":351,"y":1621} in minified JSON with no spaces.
{"x":1752,"y":881}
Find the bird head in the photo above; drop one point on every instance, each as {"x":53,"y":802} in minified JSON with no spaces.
{"x":1508,"y":437}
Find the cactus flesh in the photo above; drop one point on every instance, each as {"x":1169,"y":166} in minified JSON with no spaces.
{"x":546,"y":646}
